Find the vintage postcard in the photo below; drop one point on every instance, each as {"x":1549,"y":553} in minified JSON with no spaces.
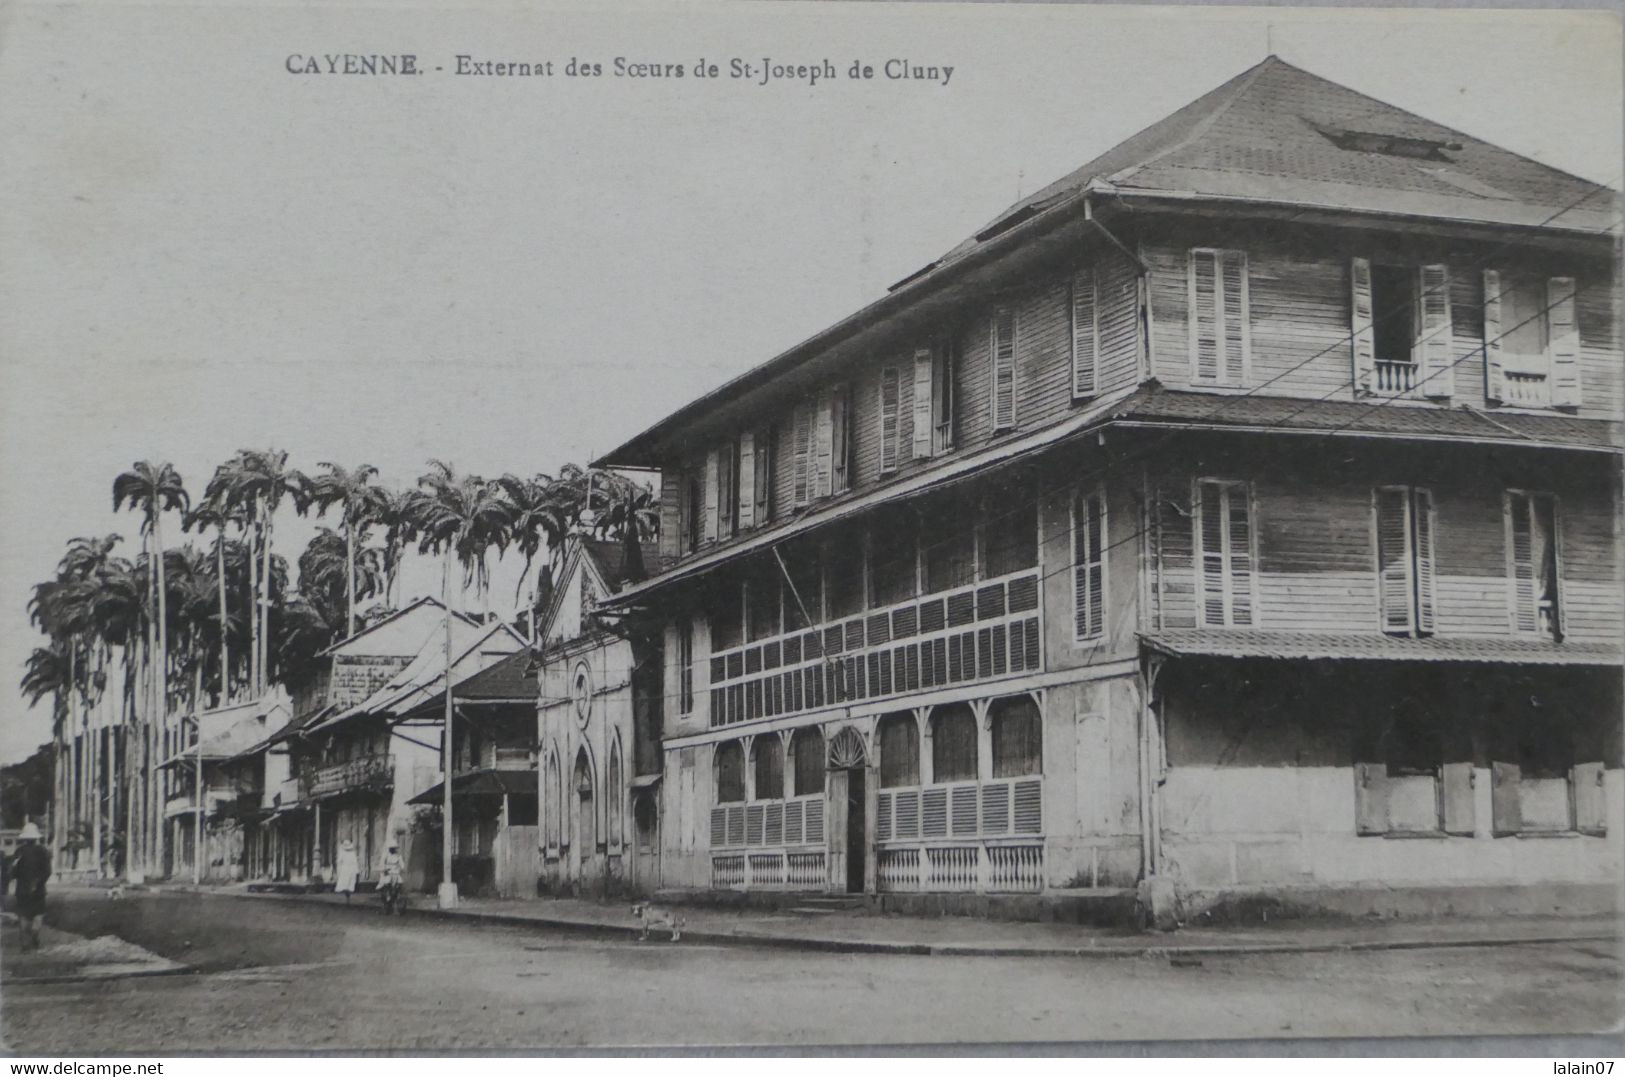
{"x":828,"y":526}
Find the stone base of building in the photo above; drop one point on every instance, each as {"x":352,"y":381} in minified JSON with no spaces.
{"x":1262,"y":905}
{"x":1098,"y":908}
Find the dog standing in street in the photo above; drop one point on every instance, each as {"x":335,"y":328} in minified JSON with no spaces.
{"x":653,"y":918}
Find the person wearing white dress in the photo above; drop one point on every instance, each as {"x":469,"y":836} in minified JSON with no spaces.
{"x":347,"y":870}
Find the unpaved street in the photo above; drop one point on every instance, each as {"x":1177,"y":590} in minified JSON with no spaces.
{"x":275,"y":974}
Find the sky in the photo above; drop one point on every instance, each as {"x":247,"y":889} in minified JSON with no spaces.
{"x":200,"y":251}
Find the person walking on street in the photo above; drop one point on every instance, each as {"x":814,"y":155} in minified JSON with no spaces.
{"x":31,"y":868}
{"x":347,"y":870}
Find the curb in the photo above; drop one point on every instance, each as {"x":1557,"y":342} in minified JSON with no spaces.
{"x":909,"y":949}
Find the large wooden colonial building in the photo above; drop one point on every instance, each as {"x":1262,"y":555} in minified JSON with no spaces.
{"x":1239,"y":511}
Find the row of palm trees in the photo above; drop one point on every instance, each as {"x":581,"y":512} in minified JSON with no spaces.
{"x":136,"y":644}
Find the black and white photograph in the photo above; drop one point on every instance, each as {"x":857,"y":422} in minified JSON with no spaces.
{"x":810,"y":527}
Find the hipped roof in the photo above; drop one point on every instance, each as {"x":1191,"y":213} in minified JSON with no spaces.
{"x":1275,"y":136}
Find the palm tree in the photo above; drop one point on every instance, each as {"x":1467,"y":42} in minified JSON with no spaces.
{"x":463,"y":517}
{"x":153,"y":490}
{"x":363,"y":503}
{"x":539,"y":515}
{"x":214,"y":512}
{"x":324,"y":568}
{"x":399,"y":532}
{"x":256,"y":482}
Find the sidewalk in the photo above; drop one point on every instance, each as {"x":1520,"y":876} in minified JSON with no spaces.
{"x":841,"y":932}
{"x":64,"y":956}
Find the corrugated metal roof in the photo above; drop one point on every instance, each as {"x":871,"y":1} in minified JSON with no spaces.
{"x":1254,"y":643}
{"x":481,"y":783}
{"x":1397,"y":419}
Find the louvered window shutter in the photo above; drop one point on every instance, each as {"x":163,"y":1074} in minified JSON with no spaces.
{"x":801,"y":447}
{"x":1521,"y":558}
{"x":747,"y":481}
{"x":1494,"y":379}
{"x":1239,"y":540}
{"x":1394,"y":560}
{"x":1004,"y":368}
{"x":1085,"y":333}
{"x":1422,"y":523}
{"x":765,"y":440}
{"x":824,"y":446}
{"x":1237,"y":321}
{"x":712,"y":469}
{"x":924,"y":368}
{"x":1204,"y":321}
{"x":1564,"y":336}
{"x":888,"y":419}
{"x":1088,"y":580}
{"x":840,"y":420}
{"x":1438,"y":339}
{"x":1362,"y":335}
{"x":671,"y":512}
{"x":1210,"y":539}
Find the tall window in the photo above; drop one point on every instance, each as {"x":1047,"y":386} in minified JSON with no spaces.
{"x":844,"y":574}
{"x":899,"y":751}
{"x":953,"y":743}
{"x":693,"y":513}
{"x":1003,"y":355}
{"x":1018,"y":737}
{"x":803,"y":593}
{"x":762,"y":474}
{"x":933,"y":428}
{"x":1089,"y":566}
{"x":890,"y":399}
{"x":727,"y":616}
{"x":893,"y":558}
{"x":808,"y":748}
{"x":1405,"y":559}
{"x":1010,"y":537}
{"x":685,"y":666}
{"x":948,"y":546}
{"x":727,"y":488}
{"x":1085,"y":333}
{"x":1531,"y":340}
{"x":840,"y":438}
{"x":1225,"y":553}
{"x":1532,"y":556}
{"x":1402,"y":336}
{"x":730,"y":765}
{"x":767,"y":762}
{"x":763,"y":602}
{"x":1219,"y":331}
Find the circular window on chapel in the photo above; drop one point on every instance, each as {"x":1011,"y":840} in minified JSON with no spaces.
{"x":581,"y":693}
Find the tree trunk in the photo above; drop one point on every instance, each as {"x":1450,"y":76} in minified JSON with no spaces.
{"x":163,"y":675}
{"x":225,"y":619}
{"x":349,"y":579}
{"x":265,"y":610}
{"x":97,"y":762}
{"x":251,"y":533}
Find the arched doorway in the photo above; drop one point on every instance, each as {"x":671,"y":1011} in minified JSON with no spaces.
{"x":583,"y":835}
{"x":847,"y":793}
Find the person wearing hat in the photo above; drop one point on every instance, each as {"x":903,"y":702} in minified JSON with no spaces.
{"x":31,"y":868}
{"x":391,"y":875}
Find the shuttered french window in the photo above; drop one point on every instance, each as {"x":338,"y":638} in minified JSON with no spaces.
{"x":1220,"y":333}
{"x":1437,"y":342}
{"x":801,"y":450}
{"x":1088,"y":566}
{"x":1405,"y":559}
{"x":1533,"y":563}
{"x":1563,"y":337}
{"x":922,"y":425}
{"x":1223,"y":531}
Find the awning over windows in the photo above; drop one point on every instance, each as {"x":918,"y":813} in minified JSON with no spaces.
{"x":476,"y":783}
{"x":1248,"y":643}
{"x":1373,"y":647}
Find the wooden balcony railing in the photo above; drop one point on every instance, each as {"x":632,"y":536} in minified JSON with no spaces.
{"x":367,"y":772}
{"x":962,"y":837}
{"x":777,"y":844}
{"x":1526,"y":389}
{"x":1395,"y":377}
{"x":990,"y":629}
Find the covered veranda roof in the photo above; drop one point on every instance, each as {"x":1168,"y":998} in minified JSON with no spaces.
{"x":1302,"y":646}
{"x":481,"y":783}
